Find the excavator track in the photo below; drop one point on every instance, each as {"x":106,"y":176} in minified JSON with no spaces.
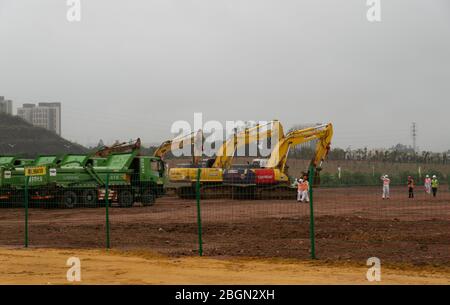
{"x":277,"y":192}
{"x":186,"y":192}
{"x":206,"y":192}
{"x":239,"y":192}
{"x":215,"y":192}
{"x":253,"y":192}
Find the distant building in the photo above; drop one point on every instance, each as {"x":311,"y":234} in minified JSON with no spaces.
{"x":45,"y":115}
{"x":5,"y":106}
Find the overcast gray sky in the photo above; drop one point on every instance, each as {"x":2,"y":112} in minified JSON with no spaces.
{"x":131,"y":68}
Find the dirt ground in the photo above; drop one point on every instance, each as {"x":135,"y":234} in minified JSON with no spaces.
{"x":352,"y":224}
{"x":48,"y":266}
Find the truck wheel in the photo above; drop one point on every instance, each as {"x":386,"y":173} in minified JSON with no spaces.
{"x":147,"y":198}
{"x":126,"y":199}
{"x":89,"y":198}
{"x":69,"y":199}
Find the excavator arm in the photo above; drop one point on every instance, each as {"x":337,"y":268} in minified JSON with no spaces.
{"x":118,"y":148}
{"x":226,"y":152}
{"x":323,"y":134}
{"x":179,"y":142}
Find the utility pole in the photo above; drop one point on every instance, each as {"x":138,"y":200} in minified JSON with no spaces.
{"x":414,"y":136}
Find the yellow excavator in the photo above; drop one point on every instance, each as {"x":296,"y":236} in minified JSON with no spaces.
{"x":211,"y":177}
{"x":178,"y":142}
{"x":272,"y":180}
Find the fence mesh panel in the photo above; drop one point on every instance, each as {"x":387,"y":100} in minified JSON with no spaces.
{"x":12,"y":215}
{"x":65,"y":218}
{"x":355,"y":223}
{"x":268,"y":228}
{"x":351,"y":222}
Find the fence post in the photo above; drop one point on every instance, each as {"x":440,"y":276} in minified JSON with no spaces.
{"x":26,"y":210}
{"x":199,"y":214}
{"x":311,"y":213}
{"x":108,"y":243}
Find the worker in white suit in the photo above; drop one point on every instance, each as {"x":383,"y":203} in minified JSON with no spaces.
{"x":386,"y":186}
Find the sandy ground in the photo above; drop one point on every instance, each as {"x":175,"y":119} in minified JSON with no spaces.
{"x":48,"y":266}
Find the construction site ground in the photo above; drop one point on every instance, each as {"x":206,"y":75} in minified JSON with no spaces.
{"x":48,"y":266}
{"x":410,"y":237}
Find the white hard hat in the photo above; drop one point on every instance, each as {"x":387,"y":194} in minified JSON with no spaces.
{"x":434,"y":176}
{"x":386,"y":176}
{"x":428,"y":176}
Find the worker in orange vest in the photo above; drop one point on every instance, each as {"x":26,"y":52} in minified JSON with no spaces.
{"x":304,"y":191}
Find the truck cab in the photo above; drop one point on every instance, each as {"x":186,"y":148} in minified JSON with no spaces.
{"x":152,"y":171}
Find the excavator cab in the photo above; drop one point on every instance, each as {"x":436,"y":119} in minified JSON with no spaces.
{"x":259,"y":163}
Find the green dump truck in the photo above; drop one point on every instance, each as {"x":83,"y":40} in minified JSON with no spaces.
{"x":11,"y":174}
{"x":81,"y":180}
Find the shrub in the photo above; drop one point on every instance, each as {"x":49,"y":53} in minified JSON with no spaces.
{"x":328,"y":179}
{"x":403,"y":178}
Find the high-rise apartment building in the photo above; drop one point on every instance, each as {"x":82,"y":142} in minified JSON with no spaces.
{"x":5,"y":106}
{"x":45,"y":115}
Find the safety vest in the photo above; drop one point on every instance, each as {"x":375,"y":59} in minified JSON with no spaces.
{"x":434,"y":183}
{"x":304,"y":186}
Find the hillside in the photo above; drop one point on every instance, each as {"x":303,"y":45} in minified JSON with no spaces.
{"x":18,"y":137}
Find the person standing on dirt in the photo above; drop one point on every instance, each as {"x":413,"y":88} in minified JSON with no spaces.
{"x":427,"y":184}
{"x":386,"y":188}
{"x":411,"y":187}
{"x":299,"y":189}
{"x":305,"y":191}
{"x":434,"y":185}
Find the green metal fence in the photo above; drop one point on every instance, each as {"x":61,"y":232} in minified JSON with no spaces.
{"x":338,"y":223}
